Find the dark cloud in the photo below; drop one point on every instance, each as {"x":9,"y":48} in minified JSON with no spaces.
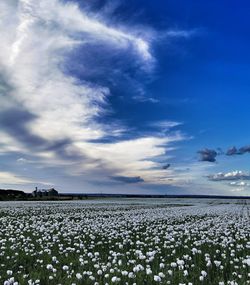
{"x":234,"y":175}
{"x":232,"y":151}
{"x":14,"y":122}
{"x":5,"y":87}
{"x":63,"y":148}
{"x":128,"y":179}
{"x":59,"y":144}
{"x":166,"y":166}
{"x":108,"y":60}
{"x":208,"y":155}
{"x":244,"y":149}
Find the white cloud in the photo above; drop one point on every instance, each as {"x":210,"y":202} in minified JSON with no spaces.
{"x":165,"y":124}
{"x":10,"y":178}
{"x":240,"y":183}
{"x":189,"y":173}
{"x":177,"y":33}
{"x":37,"y":38}
{"x":234,"y":175}
{"x":133,"y":157}
{"x":238,"y":189}
{"x":22,"y":160}
{"x":142,"y":98}
{"x":9,"y":144}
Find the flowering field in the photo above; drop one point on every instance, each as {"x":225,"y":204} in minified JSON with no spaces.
{"x":125,"y":243}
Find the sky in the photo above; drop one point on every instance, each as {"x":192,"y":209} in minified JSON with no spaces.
{"x":137,"y":97}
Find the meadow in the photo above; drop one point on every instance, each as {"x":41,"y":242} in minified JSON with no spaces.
{"x":130,"y":242}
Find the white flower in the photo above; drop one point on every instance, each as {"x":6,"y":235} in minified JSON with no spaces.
{"x":9,"y":272}
{"x":49,"y":266}
{"x":247,"y":261}
{"x":131,"y":275}
{"x":217,"y":263}
{"x":162,"y":265}
{"x":185,"y":273}
{"x":65,"y":267}
{"x":115,"y":279}
{"x":157,"y":278}
{"x":173,"y":264}
{"x":180,"y":262}
{"x":161,"y":274}
{"x":203,"y":273}
{"x":79,"y":276}
{"x":208,"y":263}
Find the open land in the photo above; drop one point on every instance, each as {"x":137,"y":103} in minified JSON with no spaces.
{"x":125,"y":241}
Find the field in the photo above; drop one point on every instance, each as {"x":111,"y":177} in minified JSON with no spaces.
{"x":151,"y":241}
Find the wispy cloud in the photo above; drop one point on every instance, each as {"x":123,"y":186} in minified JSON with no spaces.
{"x":135,"y":157}
{"x":165,"y":124}
{"x":10,"y":178}
{"x":179,"y":33}
{"x":50,"y":112}
{"x":143,"y":99}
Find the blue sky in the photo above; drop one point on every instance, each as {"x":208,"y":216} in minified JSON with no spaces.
{"x":125,"y":96}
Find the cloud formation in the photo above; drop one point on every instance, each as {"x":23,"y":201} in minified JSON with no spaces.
{"x":239,"y":184}
{"x":165,"y":125}
{"x":232,"y":151}
{"x":166,"y":166}
{"x":126,"y":179}
{"x":207,"y":155}
{"x":242,"y":150}
{"x":10,"y":178}
{"x":51,"y":112}
{"x":234,"y":175}
{"x":211,"y":154}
